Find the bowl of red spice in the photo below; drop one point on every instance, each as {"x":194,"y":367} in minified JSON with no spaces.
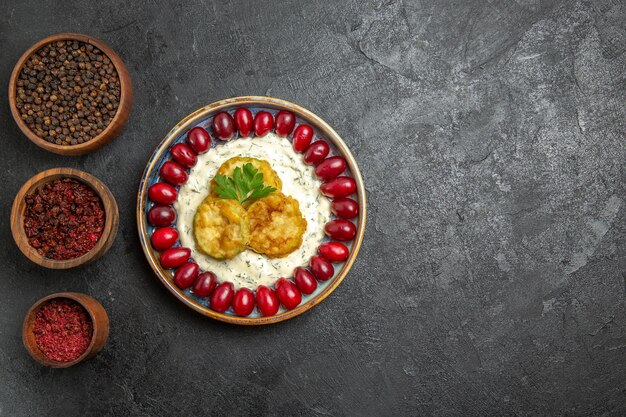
{"x":70,"y":94}
{"x":63,"y":218}
{"x":63,"y":329}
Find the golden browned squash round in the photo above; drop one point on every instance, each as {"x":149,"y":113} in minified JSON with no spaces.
{"x":270,"y":178}
{"x":220,"y":228}
{"x":276,"y":225}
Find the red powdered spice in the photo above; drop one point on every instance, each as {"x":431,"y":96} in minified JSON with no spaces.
{"x":63,"y":219}
{"x":62,"y":329}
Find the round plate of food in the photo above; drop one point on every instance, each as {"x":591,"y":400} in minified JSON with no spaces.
{"x":251,"y":210}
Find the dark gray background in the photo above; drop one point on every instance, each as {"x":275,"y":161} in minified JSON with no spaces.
{"x":491,"y":280}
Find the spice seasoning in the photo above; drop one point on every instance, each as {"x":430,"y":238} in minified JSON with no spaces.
{"x":63,"y":329}
{"x":64,"y":219}
{"x":68,"y":92}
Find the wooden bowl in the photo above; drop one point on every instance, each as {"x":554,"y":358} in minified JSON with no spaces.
{"x":110,"y":132}
{"x":203,"y":117}
{"x":110,"y":225}
{"x":99,"y":318}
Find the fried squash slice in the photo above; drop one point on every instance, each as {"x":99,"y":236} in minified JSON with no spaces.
{"x":276,"y":225}
{"x":270,"y":178}
{"x":220,"y":228}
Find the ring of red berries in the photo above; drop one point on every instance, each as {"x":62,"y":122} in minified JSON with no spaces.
{"x":336,"y":186}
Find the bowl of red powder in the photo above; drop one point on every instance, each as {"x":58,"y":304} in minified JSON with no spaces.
{"x":63,"y":218}
{"x":63,"y":329}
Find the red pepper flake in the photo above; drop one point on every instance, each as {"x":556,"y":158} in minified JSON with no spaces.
{"x":63,"y":329}
{"x":64,"y":219}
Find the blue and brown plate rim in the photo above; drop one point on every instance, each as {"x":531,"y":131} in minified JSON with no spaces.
{"x":201,"y":117}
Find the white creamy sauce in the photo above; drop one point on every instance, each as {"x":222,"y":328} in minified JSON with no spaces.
{"x":250,"y":269}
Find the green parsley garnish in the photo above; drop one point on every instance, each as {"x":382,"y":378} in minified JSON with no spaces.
{"x":245,"y":184}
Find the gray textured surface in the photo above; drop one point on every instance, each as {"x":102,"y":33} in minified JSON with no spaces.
{"x":491,"y":281}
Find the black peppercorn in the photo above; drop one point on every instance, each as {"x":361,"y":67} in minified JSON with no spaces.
{"x":68,"y":92}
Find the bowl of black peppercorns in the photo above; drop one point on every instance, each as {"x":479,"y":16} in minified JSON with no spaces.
{"x":70,"y":94}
